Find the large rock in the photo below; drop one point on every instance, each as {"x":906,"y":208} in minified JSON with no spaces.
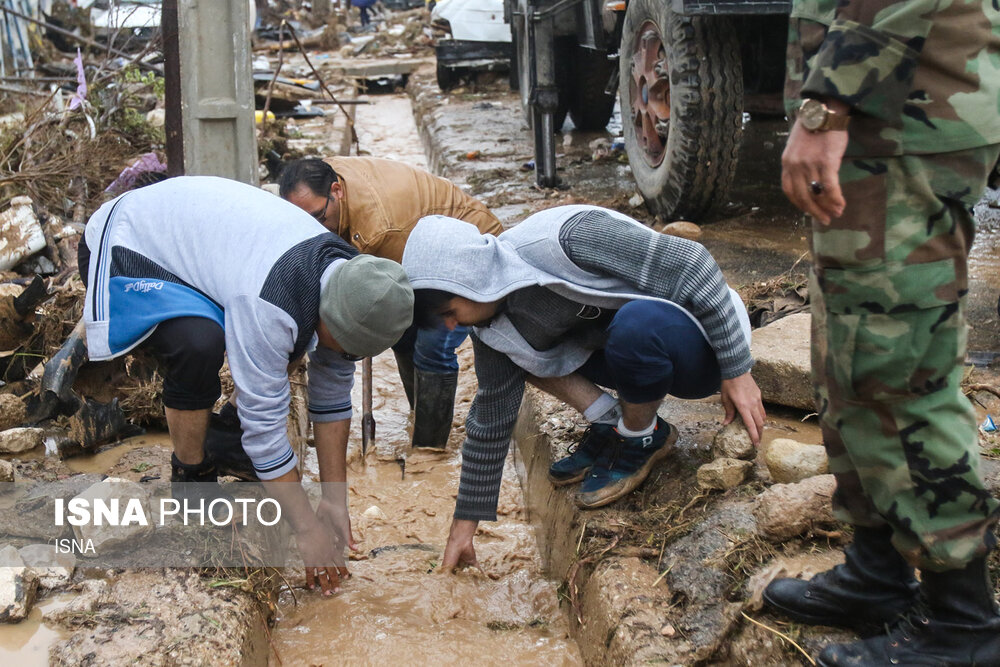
{"x":12,"y":411}
{"x":792,"y":461}
{"x":105,"y":537}
{"x":53,"y":567}
{"x":787,"y":510}
{"x":18,"y":585}
{"x":723,"y":473}
{"x":782,"y":370}
{"x":161,"y":617}
{"x":17,"y":440}
{"x":33,"y":514}
{"x":733,"y":442}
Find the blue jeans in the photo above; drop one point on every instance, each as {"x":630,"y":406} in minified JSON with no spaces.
{"x":654,"y":349}
{"x":433,"y":350}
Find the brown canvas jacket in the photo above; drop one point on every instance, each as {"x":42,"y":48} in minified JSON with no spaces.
{"x":384,"y":199}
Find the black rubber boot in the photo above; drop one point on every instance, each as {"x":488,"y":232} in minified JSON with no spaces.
{"x":404,"y":362}
{"x":194,"y":482}
{"x":873,"y":587}
{"x":224,"y":445}
{"x":954,"y":623}
{"x":434,"y":409}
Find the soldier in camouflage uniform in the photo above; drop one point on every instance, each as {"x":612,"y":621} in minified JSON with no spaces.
{"x":919,"y":85}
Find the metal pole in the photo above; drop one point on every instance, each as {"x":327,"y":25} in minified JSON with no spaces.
{"x":367,"y":418}
{"x":174,"y":122}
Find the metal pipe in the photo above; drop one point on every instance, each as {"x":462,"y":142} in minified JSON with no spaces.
{"x":367,"y":418}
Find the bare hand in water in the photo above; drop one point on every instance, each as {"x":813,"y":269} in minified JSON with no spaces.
{"x":460,"y":552}
{"x":321,"y":557}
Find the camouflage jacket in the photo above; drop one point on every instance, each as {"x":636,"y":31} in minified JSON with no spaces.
{"x":921,"y":76}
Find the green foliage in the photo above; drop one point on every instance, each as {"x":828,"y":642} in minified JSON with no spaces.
{"x":132,"y":74}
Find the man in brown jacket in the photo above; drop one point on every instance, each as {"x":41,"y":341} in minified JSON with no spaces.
{"x":374,"y":204}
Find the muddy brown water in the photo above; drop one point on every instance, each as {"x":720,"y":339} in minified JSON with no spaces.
{"x":27,"y":643}
{"x":398,"y":608}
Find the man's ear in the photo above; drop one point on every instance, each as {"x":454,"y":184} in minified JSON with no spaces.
{"x":337,"y":190}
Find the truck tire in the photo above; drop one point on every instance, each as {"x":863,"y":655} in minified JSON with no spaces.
{"x":681,"y":93}
{"x":589,"y":72}
{"x":446,"y":78}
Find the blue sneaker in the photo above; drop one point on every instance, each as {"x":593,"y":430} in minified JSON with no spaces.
{"x":574,"y":467}
{"x":624,"y":465}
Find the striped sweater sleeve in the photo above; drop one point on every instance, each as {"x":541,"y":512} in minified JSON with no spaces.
{"x":664,"y":266}
{"x":331,"y":378}
{"x":488,"y":430}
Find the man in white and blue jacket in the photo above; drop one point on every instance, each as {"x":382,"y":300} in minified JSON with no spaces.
{"x":572,"y":299}
{"x":195,"y":268}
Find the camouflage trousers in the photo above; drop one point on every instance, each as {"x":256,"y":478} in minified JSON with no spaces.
{"x":889,"y":340}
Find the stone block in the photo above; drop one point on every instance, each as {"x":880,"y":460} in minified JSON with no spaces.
{"x":792,"y":461}
{"x":786,"y":510}
{"x":733,"y":442}
{"x":18,"y":440}
{"x":723,"y":474}
{"x":53,"y":567}
{"x":782,"y":370}
{"x":106,"y":537}
{"x":18,"y":586}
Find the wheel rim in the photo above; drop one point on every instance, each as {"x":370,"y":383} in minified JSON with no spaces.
{"x":649,"y":93}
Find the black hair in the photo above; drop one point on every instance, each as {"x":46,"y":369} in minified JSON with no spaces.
{"x":149,"y":178}
{"x":312,"y":172}
{"x":427,"y":303}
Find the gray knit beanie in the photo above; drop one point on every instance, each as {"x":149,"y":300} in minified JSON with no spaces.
{"x":367,"y":304}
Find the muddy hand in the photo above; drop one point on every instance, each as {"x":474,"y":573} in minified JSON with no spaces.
{"x":321,"y":558}
{"x":333,"y":514}
{"x":742,"y":395}
{"x":460,"y":552}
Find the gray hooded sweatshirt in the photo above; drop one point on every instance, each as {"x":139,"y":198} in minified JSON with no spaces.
{"x":587,"y":255}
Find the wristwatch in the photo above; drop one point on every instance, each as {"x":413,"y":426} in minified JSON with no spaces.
{"x":817,"y":117}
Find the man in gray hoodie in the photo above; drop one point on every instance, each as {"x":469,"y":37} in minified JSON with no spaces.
{"x":572,"y":299}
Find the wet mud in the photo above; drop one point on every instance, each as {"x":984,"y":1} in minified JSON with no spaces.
{"x":397,"y":607}
{"x":27,"y":643}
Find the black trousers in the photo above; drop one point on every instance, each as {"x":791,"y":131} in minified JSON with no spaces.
{"x":190,"y":351}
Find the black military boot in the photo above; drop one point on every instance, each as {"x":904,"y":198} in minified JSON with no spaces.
{"x":434,"y":408}
{"x":873,"y":587}
{"x":404,"y":362}
{"x":955,"y":623}
{"x":224,"y":445}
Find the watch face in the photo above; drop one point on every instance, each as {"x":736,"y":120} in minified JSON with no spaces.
{"x":812,"y":113}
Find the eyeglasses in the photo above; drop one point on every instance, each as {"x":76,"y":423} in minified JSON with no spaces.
{"x":320,"y":215}
{"x":351,"y":357}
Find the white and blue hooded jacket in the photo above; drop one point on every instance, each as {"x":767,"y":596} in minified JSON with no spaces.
{"x":240,"y":256}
